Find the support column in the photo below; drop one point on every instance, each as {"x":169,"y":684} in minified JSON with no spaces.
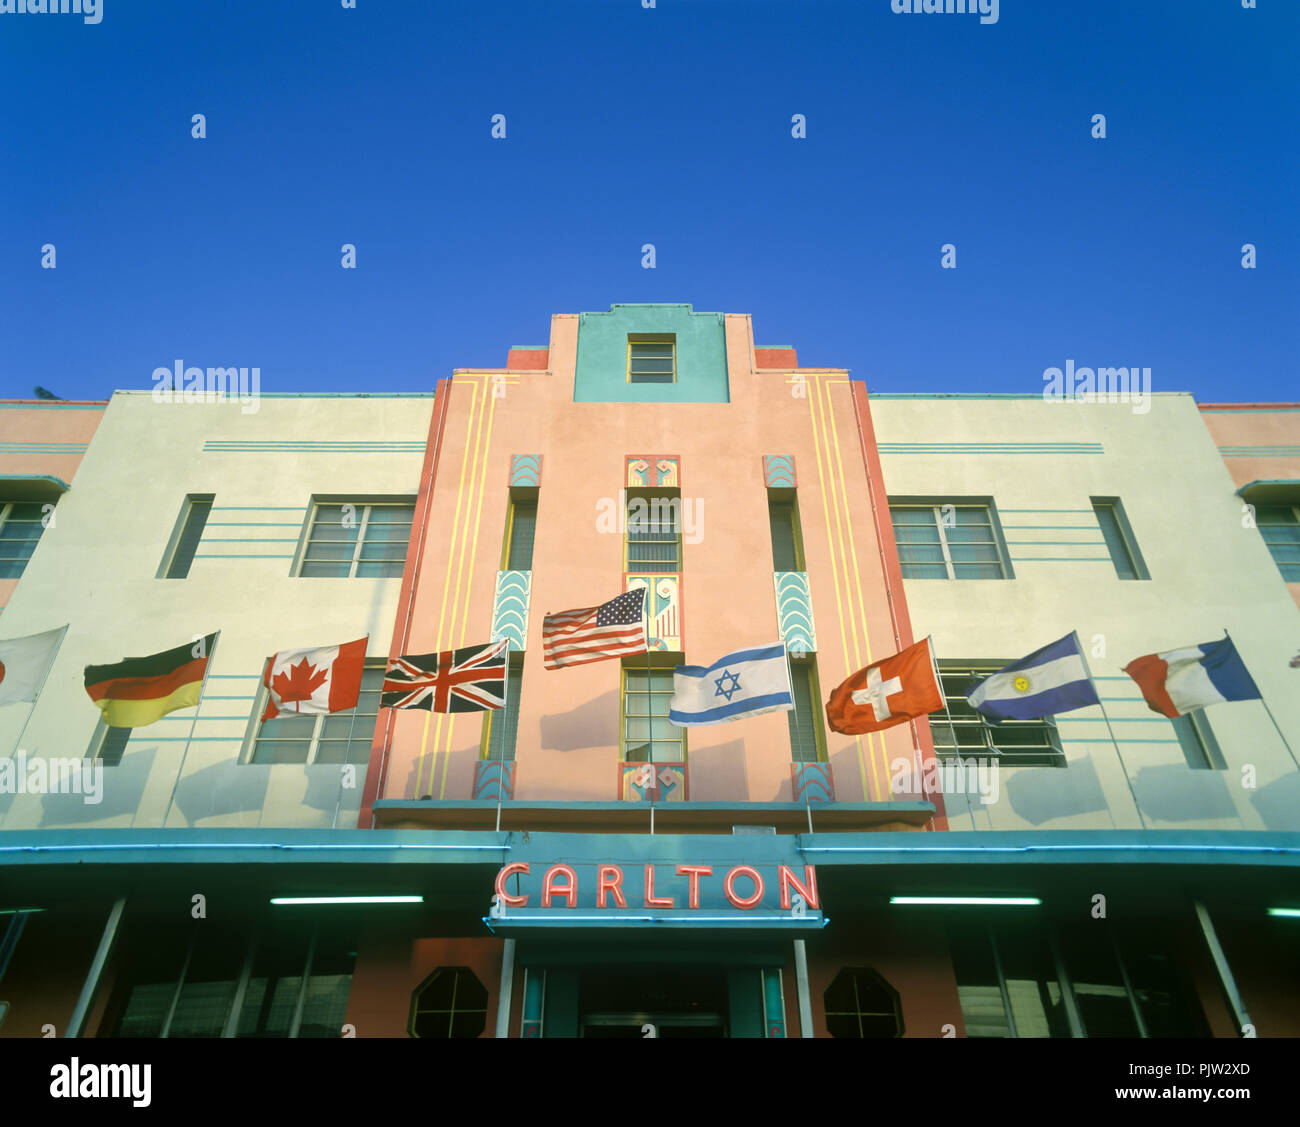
{"x":503,"y":994}
{"x":91,"y":986}
{"x":805,"y":998}
{"x":1229,"y":983}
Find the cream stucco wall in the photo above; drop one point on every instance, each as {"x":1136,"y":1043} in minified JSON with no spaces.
{"x":1041,"y":462}
{"x":95,"y":570}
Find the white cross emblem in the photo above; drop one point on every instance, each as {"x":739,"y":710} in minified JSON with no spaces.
{"x":876,"y":692}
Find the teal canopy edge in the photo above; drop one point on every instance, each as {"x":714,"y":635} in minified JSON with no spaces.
{"x":369,"y":847}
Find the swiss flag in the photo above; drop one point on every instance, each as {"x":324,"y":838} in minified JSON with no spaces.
{"x":886,"y":693}
{"x":314,"y":681}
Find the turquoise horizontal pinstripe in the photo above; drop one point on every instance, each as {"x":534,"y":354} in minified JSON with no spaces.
{"x":991,"y":448}
{"x":272,"y":446}
{"x":43,"y":447}
{"x":1259,"y":451}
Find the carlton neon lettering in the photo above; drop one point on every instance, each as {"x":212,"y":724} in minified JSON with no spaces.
{"x":560,"y":882}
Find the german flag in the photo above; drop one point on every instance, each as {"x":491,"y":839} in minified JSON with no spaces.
{"x":140,"y":690}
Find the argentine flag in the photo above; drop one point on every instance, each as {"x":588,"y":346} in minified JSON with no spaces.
{"x":1051,"y":680}
{"x":745,"y":683}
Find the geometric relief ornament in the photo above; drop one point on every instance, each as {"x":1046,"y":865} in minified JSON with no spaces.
{"x":510,"y":607}
{"x":794,"y":611}
{"x":526,"y":470}
{"x":652,"y":782}
{"x":664,"y":603}
{"x":813,"y":782}
{"x":642,"y":470}
{"x":494,"y":780}
{"x":778,"y":471}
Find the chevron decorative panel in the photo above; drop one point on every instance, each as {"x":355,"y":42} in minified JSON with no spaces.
{"x":494,"y":780}
{"x":813,"y":782}
{"x":794,"y":611}
{"x":778,"y":471}
{"x":526,"y":469}
{"x":510,"y":607}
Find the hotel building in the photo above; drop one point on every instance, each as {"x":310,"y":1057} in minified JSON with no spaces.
{"x":574,"y":864}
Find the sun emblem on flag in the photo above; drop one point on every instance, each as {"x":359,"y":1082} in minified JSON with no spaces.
{"x":1021,"y":684}
{"x":725,"y":690}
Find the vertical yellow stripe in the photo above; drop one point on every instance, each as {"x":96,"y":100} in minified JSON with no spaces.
{"x":857,"y":585}
{"x":835,"y":580}
{"x":451,"y":552}
{"x":463,"y":598}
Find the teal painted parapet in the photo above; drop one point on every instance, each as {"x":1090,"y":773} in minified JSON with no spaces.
{"x":601,"y":372}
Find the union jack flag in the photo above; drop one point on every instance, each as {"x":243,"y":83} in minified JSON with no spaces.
{"x":472,"y":679}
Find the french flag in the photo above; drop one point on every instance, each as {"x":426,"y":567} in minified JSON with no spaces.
{"x":1177,"y":681}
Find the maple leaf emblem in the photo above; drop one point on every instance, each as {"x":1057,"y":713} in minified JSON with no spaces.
{"x":298,"y":683}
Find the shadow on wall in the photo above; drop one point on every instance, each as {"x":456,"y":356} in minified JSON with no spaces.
{"x":123,"y":787}
{"x":1041,"y":795}
{"x":1175,"y":792}
{"x":224,"y":788}
{"x":1278,"y":803}
{"x":587,"y":726}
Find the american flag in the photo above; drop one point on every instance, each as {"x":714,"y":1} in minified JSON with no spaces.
{"x":472,"y":679}
{"x":613,"y":629}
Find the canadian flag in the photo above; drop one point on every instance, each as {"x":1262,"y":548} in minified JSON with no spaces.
{"x":886,"y":693}
{"x":314,"y":681}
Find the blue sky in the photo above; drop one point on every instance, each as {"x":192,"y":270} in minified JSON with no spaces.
{"x":670,"y":126}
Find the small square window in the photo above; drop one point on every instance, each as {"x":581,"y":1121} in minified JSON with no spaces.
{"x":962,"y":732}
{"x":340,"y":737}
{"x":652,"y":358}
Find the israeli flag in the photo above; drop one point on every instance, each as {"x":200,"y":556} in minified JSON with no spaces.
{"x":1051,"y":680}
{"x":745,"y":683}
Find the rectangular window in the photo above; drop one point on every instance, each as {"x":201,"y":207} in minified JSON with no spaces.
{"x":352,"y":538}
{"x":648,"y":737}
{"x":1200,"y":748}
{"x":21,"y":525}
{"x":108,"y":744}
{"x":341,"y":737}
{"x":807,"y":740}
{"x":652,"y":358}
{"x":787,"y":546}
{"x":186,"y":536}
{"x":502,"y":724}
{"x":1279,"y":525}
{"x":520,"y":530}
{"x":946,"y":540}
{"x":1015,"y":743}
{"x":1120,"y":541}
{"x":654,"y":537}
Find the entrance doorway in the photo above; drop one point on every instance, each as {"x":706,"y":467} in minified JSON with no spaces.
{"x":673,"y":1001}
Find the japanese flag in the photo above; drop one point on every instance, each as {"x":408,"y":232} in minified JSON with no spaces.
{"x":314,"y":681}
{"x":886,"y":693}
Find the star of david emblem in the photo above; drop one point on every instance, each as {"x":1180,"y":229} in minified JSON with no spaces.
{"x":724,"y":690}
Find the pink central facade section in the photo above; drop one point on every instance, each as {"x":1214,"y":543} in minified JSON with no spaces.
{"x":726,"y":461}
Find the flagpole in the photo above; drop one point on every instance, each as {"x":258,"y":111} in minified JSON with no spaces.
{"x":1273,"y":718}
{"x":649,"y":702}
{"x":338,"y":805}
{"x":198,"y":704}
{"x":952,"y":728}
{"x":505,"y":696}
{"x":798,"y":731}
{"x":40,"y":689}
{"x":1118,"y":754}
